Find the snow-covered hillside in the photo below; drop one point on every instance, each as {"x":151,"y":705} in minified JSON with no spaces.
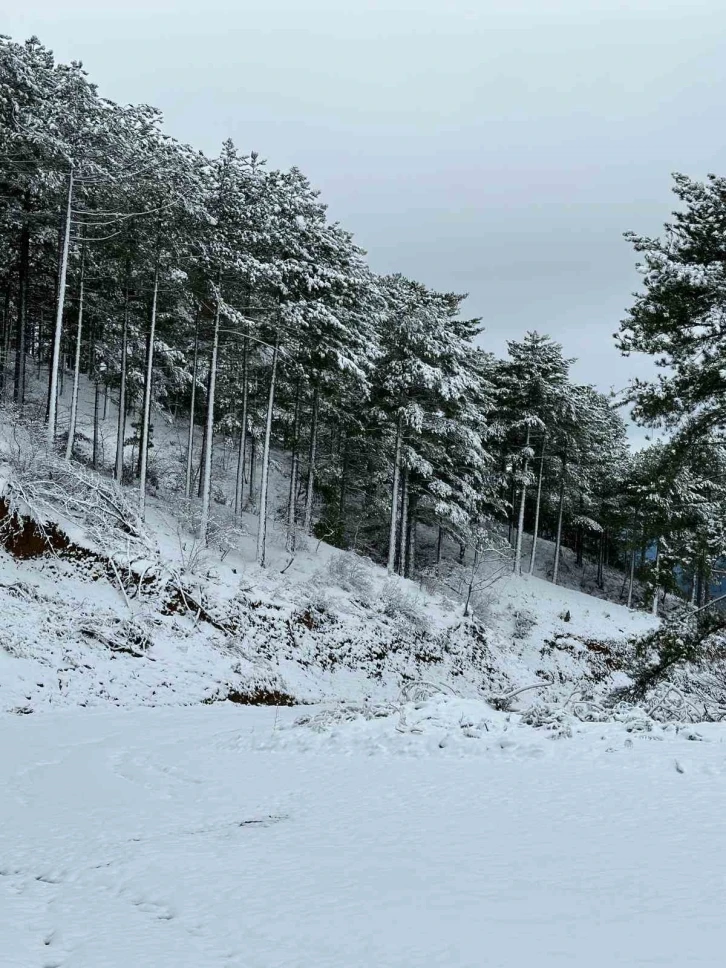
{"x":327,"y":624}
{"x":322,"y":624}
{"x":448,"y":790}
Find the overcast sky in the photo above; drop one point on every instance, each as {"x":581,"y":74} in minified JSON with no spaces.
{"x":495,"y":147}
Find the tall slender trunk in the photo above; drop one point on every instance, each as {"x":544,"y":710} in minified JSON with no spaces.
{"x":39,"y":355}
{"x":121,"y":427}
{"x":207,"y":489}
{"x":200,"y":482}
{"x":239,"y":486}
{"x":77,"y":362}
{"x":253,"y":468}
{"x":520,"y":521}
{"x":95,"y":422}
{"x":22,"y":328}
{"x":142,"y":428}
{"x":656,"y":578}
{"x":5,"y":348}
{"x":411,"y":537}
{"x":560,"y":514}
{"x":631,"y":581}
{"x":403,"y":538}
{"x":439,"y":548}
{"x":292,"y":498}
{"x":600,"y":561}
{"x":535,"y":533}
{"x":146,"y":412}
{"x":699,"y":585}
{"x":512,"y":501}
{"x":55,"y":359}
{"x":394,"y":499}
{"x":262,"y":529}
{"x":308,"y":520}
{"x":344,"y":478}
{"x":192,"y":409}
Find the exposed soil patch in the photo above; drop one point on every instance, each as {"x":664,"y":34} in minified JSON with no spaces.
{"x":257,"y":697}
{"x":22,"y":538}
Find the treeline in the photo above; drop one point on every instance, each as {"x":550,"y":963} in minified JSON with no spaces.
{"x":218,"y":289}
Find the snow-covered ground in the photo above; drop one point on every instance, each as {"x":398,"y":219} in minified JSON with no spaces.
{"x":222,"y":837}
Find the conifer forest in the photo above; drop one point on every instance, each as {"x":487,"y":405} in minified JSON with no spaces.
{"x":343,"y":625}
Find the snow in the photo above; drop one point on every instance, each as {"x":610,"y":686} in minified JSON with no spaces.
{"x":208,"y":836}
{"x":396,"y":819}
{"x":47,"y":659}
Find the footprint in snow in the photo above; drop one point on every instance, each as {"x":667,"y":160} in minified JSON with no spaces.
{"x":156,"y":909}
{"x":51,"y":877}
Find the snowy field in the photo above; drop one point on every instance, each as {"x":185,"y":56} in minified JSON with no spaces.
{"x":227,"y":837}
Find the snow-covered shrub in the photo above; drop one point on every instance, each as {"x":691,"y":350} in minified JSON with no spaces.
{"x":350,"y":572}
{"x":524,"y":622}
{"x":342,"y":712}
{"x":166,"y":471}
{"x":397,"y":603}
{"x":552,"y":718}
{"x":317,"y":599}
{"x":223,"y":535}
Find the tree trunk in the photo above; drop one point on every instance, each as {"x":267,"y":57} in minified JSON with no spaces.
{"x":699,"y":585}
{"x":411,"y":537}
{"x":239,"y":485}
{"x":343,"y":496}
{"x":656,"y":578}
{"x":76,"y":363}
{"x":7,"y":324}
{"x":600,"y":561}
{"x":146,"y":412}
{"x":308,"y":520}
{"x":253,"y":468}
{"x":192,"y":410}
{"x":200,"y":484}
{"x":560,"y":514}
{"x":472,"y":579}
{"x":55,"y":359}
{"x":632,"y":577}
{"x":403,"y":538}
{"x":209,"y":434}
{"x":535,"y":533}
{"x":121,"y":427}
{"x":439,"y":549}
{"x":292,"y":498}
{"x":262,"y":529}
{"x":520,"y":521}
{"x":22,"y":328}
{"x":95,"y":425}
{"x":394,"y":500}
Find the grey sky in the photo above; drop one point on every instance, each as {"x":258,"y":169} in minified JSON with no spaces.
{"x":498,"y":147}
